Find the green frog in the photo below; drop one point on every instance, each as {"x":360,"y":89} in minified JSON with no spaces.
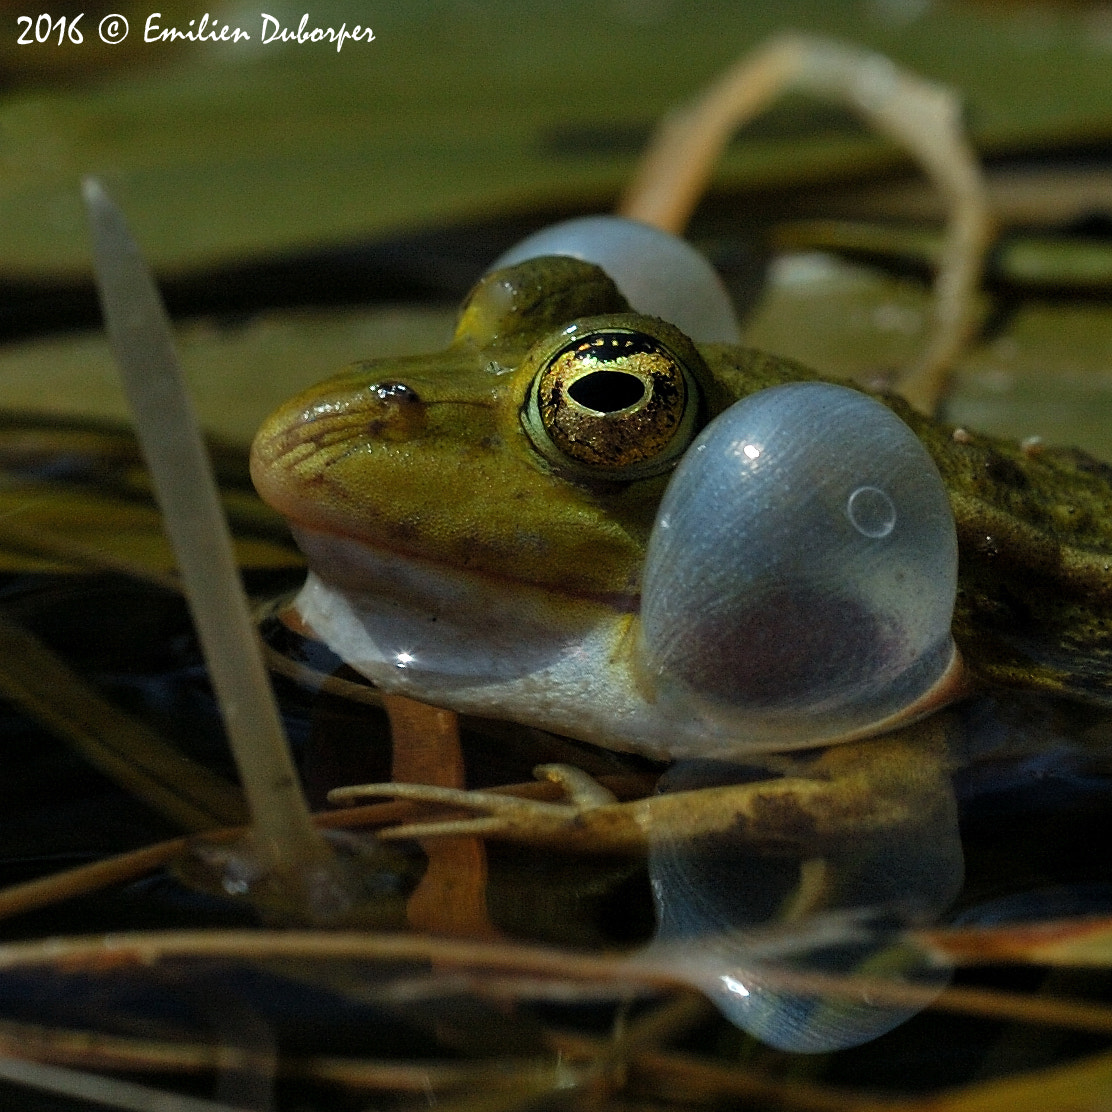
{"x":477,"y":523}
{"x":578,"y":517}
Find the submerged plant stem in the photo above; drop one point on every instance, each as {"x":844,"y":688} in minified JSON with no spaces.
{"x":79,"y":1085}
{"x":122,"y":747}
{"x":519,"y":970}
{"x":142,"y":343}
{"x":451,"y":897}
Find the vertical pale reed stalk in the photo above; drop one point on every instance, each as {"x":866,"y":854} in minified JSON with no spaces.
{"x":142,"y":342}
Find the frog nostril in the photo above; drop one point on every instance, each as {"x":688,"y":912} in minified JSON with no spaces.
{"x":607,"y":391}
{"x":397,"y":392}
{"x":395,"y":412}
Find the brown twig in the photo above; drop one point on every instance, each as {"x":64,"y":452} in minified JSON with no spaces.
{"x":922,"y":117}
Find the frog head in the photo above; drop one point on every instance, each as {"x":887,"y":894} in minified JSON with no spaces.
{"x":480,"y":526}
{"x":481,"y":458}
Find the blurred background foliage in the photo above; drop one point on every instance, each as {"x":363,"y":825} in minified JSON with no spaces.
{"x":463,"y":110}
{"x":305,"y":207}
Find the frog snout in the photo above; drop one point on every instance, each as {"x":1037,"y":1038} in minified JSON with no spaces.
{"x":308,"y":434}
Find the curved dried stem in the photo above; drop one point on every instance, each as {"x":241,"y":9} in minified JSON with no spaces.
{"x":924,"y":118}
{"x":529,"y":968}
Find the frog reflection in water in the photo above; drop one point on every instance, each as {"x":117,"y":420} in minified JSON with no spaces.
{"x":502,"y":529}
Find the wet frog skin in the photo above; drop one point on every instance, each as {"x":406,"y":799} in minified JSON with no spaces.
{"x":458,"y":555}
{"x":427,"y":464}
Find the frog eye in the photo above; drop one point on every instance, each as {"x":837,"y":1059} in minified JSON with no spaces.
{"x":801,"y":574}
{"x":659,"y":274}
{"x":612,"y":403}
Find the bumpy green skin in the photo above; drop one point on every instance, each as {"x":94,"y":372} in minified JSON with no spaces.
{"x":449,"y":475}
{"x":1034,"y":529}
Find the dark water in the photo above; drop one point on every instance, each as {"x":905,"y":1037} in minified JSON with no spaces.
{"x":1032,"y":801}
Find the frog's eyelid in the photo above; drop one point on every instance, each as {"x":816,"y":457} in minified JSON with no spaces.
{"x":801,"y":576}
{"x":659,"y":274}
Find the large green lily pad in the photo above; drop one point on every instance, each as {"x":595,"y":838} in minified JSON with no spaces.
{"x":457,"y":110}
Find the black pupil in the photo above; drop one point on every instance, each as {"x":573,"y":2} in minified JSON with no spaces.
{"x":607,"y":391}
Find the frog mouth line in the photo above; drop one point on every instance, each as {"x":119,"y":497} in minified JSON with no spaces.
{"x":440,"y":625}
{"x":346,"y":570}
{"x":276,"y":460}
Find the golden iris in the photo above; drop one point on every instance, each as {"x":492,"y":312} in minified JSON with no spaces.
{"x":614,"y":403}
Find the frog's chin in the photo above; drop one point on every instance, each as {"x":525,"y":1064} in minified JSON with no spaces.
{"x":496,"y":648}
{"x":425,"y":626}
{"x":501,"y":649}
